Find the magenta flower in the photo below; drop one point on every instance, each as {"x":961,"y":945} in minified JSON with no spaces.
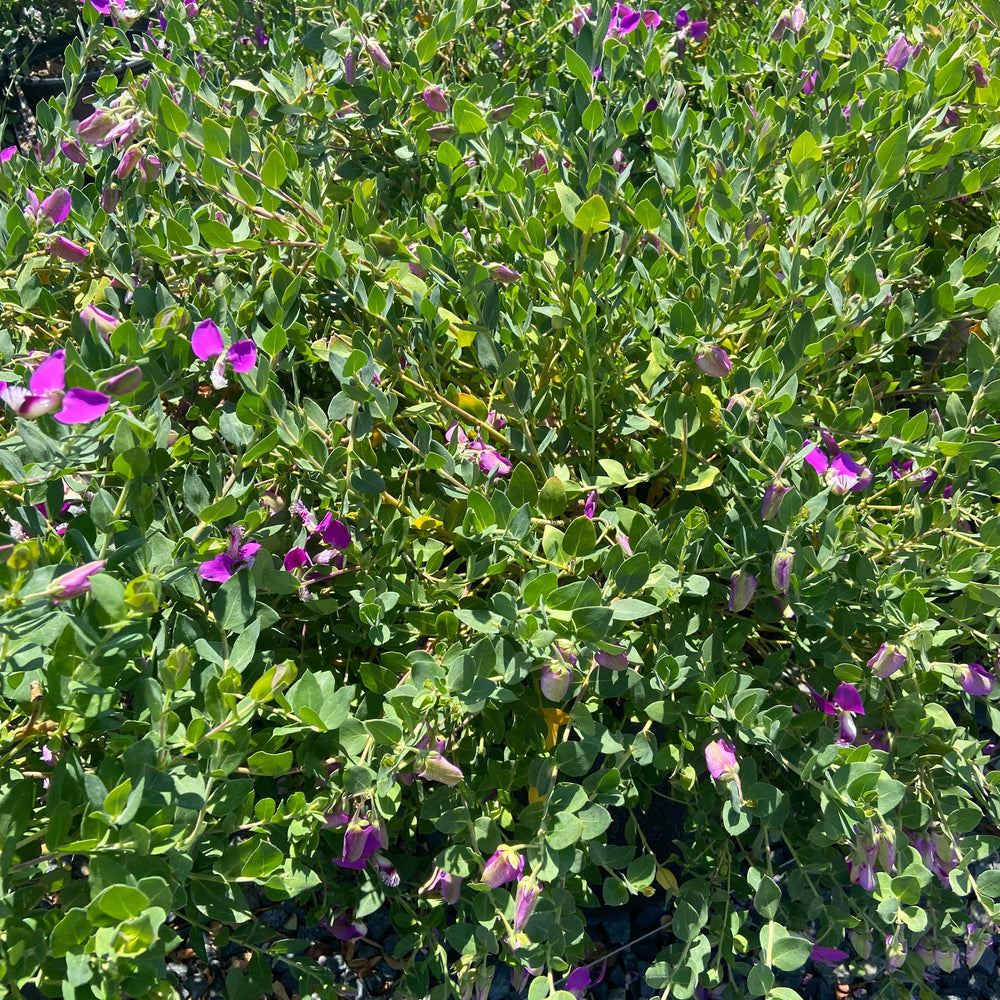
{"x":846,"y":702}
{"x":713,"y":360}
{"x":624,"y":20}
{"x":688,"y":29}
{"x":580,"y":18}
{"x":979,"y":74}
{"x":974,"y":679}
{"x":74,"y":583}
{"x":207,"y":343}
{"x":490,"y":460}
{"x":344,"y":927}
{"x":128,"y":162}
{"x":618,"y":162}
{"x":504,"y":865}
{"x":905,"y":469}
{"x":52,"y":211}
{"x":377,"y":53}
{"x":809,"y":81}
{"x":742,"y":587}
{"x":720,"y":756}
{"x":47,"y":391}
{"x":623,"y":542}
{"x":296,"y":558}
{"x":435,"y":99}
{"x":525,"y":899}
{"x":504,"y":275}
{"x":449,"y":886}
{"x":350,"y":68}
{"x":581,"y":979}
{"x":847,"y":476}
{"x":236,"y":557}
{"x":590,"y":505}
{"x":96,"y":127}
{"x":887,"y":660}
{"x":65,"y":249}
{"x":899,"y":54}
{"x":875,"y":845}
{"x":651,"y":19}
{"x":828,"y":956}
{"x":8,"y":153}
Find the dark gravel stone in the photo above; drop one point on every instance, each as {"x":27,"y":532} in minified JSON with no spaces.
{"x":500,"y":988}
{"x":617,"y":927}
{"x":179,"y":969}
{"x":379,"y":925}
{"x":988,"y":962}
{"x":197,"y":985}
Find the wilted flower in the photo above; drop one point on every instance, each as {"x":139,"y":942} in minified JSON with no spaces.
{"x":899,"y":54}
{"x":978,"y":940}
{"x":46,"y":391}
{"x":207,"y":343}
{"x":742,"y":587}
{"x":887,"y":660}
{"x":895,"y":950}
{"x":448,"y":886}
{"x":781,"y":569}
{"x":435,"y":100}
{"x":438,"y":768}
{"x":713,"y":360}
{"x":236,"y":557}
{"x":505,"y":865}
{"x":74,"y":583}
{"x":974,"y":679}
{"x":720,"y":756}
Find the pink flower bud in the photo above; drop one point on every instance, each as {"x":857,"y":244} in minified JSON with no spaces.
{"x":504,"y":275}
{"x":781,"y":569}
{"x":74,"y":583}
{"x":528,"y":891}
{"x":435,"y":100}
{"x":720,"y":756}
{"x":69,"y":251}
{"x":742,"y":587}
{"x":123,"y":384}
{"x":555,"y":681}
{"x":104,"y":321}
{"x":439,"y":768}
{"x":377,"y":53}
{"x":713,"y":360}
{"x":350,"y":68}
{"x":771,"y":503}
{"x":96,"y":127}
{"x":612,"y":661}
{"x":129,"y":161}
{"x":505,"y":865}
{"x":887,"y":660}
{"x":73,"y":151}
{"x":110,"y":197}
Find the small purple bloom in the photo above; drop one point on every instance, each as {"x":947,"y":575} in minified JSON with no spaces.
{"x":504,"y":275}
{"x":350,"y":68}
{"x":377,"y":53}
{"x":816,"y":457}
{"x":504,"y":865}
{"x":579,"y":19}
{"x":82,"y":406}
{"x":979,"y":75}
{"x":104,"y":321}
{"x":437,"y":767}
{"x":781,"y":569}
{"x":847,"y":476}
{"x":344,"y":927}
{"x":525,"y":899}
{"x":682,"y":19}
{"x":435,"y":99}
{"x":236,"y":557}
{"x":974,"y":679}
{"x":129,"y":161}
{"x":8,"y":153}
{"x":771,"y":503}
{"x":296,"y":558}
{"x":334,"y":532}
{"x":75,"y":583}
{"x":73,"y":151}
{"x":69,"y":251}
{"x":490,"y":460}
{"x":150,"y":168}
{"x":110,"y":197}
{"x":124,"y":383}
{"x":720,"y":756}
{"x":887,"y":660}
{"x":617,"y":660}
{"x":261,"y":36}
{"x":828,"y":956}
{"x":624,"y":20}
{"x":742,"y":587}
{"x":52,"y":211}
{"x":555,"y":680}
{"x":361,"y":841}
{"x":590,"y":505}
{"x":713,"y":360}
{"x":449,"y":886}
{"x":96,"y":127}
{"x":809,"y":81}
{"x":899,"y":54}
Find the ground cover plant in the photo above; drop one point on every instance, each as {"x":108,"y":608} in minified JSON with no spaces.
{"x":435,"y":434}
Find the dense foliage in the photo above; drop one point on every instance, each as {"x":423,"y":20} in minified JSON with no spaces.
{"x":434,"y":432}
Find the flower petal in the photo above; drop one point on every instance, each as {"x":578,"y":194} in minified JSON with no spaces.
{"x":82,"y":406}
{"x":242,"y":355}
{"x":849,"y":699}
{"x":217,"y":570}
{"x":50,"y":375}
{"x":206,"y":340}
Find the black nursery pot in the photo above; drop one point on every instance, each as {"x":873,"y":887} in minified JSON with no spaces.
{"x":40,"y":88}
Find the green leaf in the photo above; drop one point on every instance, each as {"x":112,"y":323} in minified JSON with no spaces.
{"x":274,"y":172}
{"x":273,"y":764}
{"x":172,"y":116}
{"x":593,"y":116}
{"x":890,"y":154}
{"x":577,"y":65}
{"x":580,"y":538}
{"x":593,"y":215}
{"x":552,"y":497}
{"x":766,"y":900}
{"x":120,"y":902}
{"x":468,"y":118}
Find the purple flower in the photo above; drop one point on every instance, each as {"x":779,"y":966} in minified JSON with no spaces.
{"x":52,"y":211}
{"x":72,"y":150}
{"x":771,"y":503}
{"x":742,"y":587}
{"x":69,"y":251}
{"x":350,"y":68}
{"x":713,"y":360}
{"x":847,"y":476}
{"x":74,"y":583}
{"x":809,"y":81}
{"x":979,"y":74}
{"x":362,"y":840}
{"x":129,"y":161}
{"x":781,"y":569}
{"x":207,"y":343}
{"x":47,"y":391}
{"x":847,"y":701}
{"x":525,"y":899}
{"x":899,"y":54}
{"x":334,"y":532}
{"x":344,"y":927}
{"x":96,"y":127}
{"x":682,"y":19}
{"x":617,"y":660}
{"x":490,"y":460}
{"x":581,"y":979}
{"x":296,"y":558}
{"x":651,"y":19}
{"x":974,"y":679}
{"x":504,"y":865}
{"x":906,"y":470}
{"x":260,"y":36}
{"x":555,"y":680}
{"x":828,"y":956}
{"x":720,"y":756}
{"x":435,"y":100}
{"x":449,"y":886}
{"x":579,"y":19}
{"x":504,"y":275}
{"x":110,"y":197}
{"x":236,"y":557}
{"x":622,"y":541}
{"x":8,"y":153}
{"x":624,"y":20}
{"x":123,"y":383}
{"x":377,"y":53}
{"x":590,"y":505}
{"x":816,"y":457}
{"x":618,"y":162}
{"x":887,"y":660}
{"x":104,"y":321}
{"x":150,"y":168}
